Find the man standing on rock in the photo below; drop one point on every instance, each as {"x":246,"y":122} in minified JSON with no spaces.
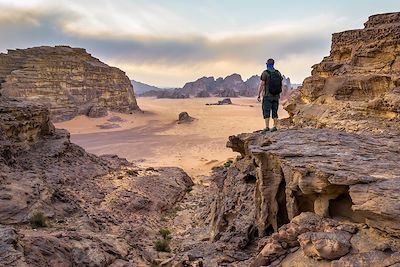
{"x":270,"y":88}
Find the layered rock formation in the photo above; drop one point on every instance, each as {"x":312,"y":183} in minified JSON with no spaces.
{"x":303,"y":195}
{"x":68,"y":80}
{"x":95,"y":211}
{"x":324,"y":192}
{"x":357,"y":87}
{"x":321,"y":193}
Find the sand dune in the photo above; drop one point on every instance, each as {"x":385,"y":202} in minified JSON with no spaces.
{"x":155,"y":139}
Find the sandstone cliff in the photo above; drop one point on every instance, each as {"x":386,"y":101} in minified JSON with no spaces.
{"x":357,"y":87}
{"x":98,"y":211}
{"x":68,"y":80}
{"x":326,"y":191}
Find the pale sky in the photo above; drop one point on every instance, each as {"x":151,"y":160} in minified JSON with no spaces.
{"x":167,"y":43}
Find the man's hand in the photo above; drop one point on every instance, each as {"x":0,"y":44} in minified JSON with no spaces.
{"x":259,"y":98}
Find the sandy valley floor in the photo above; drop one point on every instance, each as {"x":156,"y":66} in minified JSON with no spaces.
{"x":155,"y":139}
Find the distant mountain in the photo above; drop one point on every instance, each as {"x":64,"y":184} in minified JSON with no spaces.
{"x":230,"y":86}
{"x":141,"y":88}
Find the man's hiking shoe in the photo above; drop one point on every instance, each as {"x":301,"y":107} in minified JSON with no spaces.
{"x":265,"y":130}
{"x":273,"y":129}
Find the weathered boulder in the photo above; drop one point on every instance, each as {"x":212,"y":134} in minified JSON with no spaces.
{"x":318,"y":237}
{"x":23,"y":122}
{"x":225,"y":101}
{"x":68,"y":80}
{"x":326,"y":246}
{"x":184,"y":117}
{"x":356,"y":87}
{"x":97,"y":111}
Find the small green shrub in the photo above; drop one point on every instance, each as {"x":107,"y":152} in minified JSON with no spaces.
{"x":228,"y":163}
{"x":162,"y":245}
{"x":38,"y":220}
{"x":169,"y":214}
{"x":165,"y":233}
{"x":189,"y":189}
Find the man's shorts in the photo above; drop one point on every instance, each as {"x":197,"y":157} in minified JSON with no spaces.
{"x":270,"y":104}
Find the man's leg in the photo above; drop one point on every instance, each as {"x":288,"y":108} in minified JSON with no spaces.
{"x":274,"y":107}
{"x":266,"y":107}
{"x":266,"y":122}
{"x":275,"y":122}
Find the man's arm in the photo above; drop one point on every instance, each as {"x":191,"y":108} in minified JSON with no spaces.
{"x":261,"y":89}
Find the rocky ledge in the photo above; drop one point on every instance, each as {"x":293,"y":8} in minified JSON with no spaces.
{"x":319,"y":197}
{"x":68,"y":80}
{"x":357,"y":87}
{"x":60,"y":206}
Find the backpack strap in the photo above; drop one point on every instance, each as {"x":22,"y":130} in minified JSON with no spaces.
{"x":267,"y":81}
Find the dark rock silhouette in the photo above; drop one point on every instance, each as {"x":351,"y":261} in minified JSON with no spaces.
{"x":184,"y":118}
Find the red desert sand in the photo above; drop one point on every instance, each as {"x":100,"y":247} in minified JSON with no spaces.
{"x":154,"y":138}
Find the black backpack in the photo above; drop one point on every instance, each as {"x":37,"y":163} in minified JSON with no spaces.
{"x":274,"y":82}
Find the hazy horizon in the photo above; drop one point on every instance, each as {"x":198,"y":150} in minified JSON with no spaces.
{"x":167,"y":44}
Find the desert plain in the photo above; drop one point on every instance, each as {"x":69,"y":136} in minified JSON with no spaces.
{"x":154,"y":137}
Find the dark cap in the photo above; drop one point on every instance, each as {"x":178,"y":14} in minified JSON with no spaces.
{"x":271,"y":61}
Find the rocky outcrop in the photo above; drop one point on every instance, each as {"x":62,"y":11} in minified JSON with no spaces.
{"x":357,"y":87}
{"x":23,"y":122}
{"x":326,"y":194}
{"x":184,"y":117}
{"x":306,"y":195}
{"x":203,"y":93}
{"x":98,"y":211}
{"x":250,"y":88}
{"x":228,"y":93}
{"x":203,"y":84}
{"x":68,"y":80}
{"x":172,"y":93}
{"x":141,"y":88}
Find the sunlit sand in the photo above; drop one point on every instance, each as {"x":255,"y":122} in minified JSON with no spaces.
{"x":155,"y":139}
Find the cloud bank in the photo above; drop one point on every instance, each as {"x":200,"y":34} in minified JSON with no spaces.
{"x":162,"y":55}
